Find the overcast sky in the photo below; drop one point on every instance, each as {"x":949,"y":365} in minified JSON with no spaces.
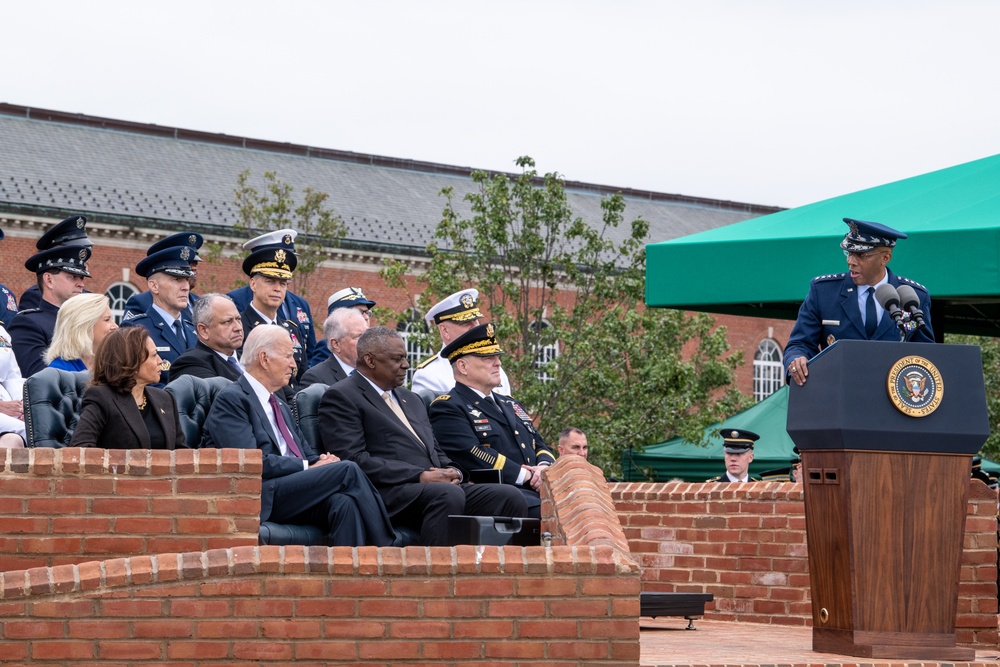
{"x":780,"y":102}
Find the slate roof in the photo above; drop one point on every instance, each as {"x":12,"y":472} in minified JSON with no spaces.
{"x":66,"y":163}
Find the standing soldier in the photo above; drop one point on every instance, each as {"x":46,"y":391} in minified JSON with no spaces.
{"x":737,"y":444}
{"x":140,"y":303}
{"x":294,"y":308}
{"x":166,"y":273}
{"x":270,"y":267}
{"x":70,"y":232}
{"x":60,"y":272}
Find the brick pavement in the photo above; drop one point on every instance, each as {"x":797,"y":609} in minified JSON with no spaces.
{"x":665,"y":643}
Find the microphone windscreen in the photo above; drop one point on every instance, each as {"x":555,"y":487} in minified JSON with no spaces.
{"x":908,"y":297}
{"x":886,"y":295}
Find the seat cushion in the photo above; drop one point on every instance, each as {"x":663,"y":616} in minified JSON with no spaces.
{"x":52,"y":400}
{"x":194,"y":396}
{"x":305,"y":405}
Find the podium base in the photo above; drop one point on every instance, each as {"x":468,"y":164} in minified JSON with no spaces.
{"x":891,"y":645}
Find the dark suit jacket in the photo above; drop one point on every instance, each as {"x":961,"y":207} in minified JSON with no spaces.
{"x":237,"y":420}
{"x":111,"y":420}
{"x":31,"y":334}
{"x":830,"y":312}
{"x":328,"y":372}
{"x":479,"y":434}
{"x":357,"y":425}
{"x":203,"y":362}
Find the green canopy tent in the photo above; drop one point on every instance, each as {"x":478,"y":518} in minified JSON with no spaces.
{"x":694,"y":463}
{"x":762,"y":267}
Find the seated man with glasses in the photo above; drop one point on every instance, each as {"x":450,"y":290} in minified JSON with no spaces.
{"x":844,"y":306}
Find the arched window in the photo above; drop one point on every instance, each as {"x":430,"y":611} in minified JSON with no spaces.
{"x":410,"y":329}
{"x":768,"y":373}
{"x":545,"y":354}
{"x":118,"y":294}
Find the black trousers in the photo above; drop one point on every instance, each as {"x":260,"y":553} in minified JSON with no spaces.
{"x":336,"y":497}
{"x":429,"y":512}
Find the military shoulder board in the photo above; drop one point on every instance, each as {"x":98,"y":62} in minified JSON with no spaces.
{"x":426,"y":361}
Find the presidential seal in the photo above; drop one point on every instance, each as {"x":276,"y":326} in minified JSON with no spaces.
{"x":915,"y":386}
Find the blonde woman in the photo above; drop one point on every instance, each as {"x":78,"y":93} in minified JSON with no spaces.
{"x":82,"y":323}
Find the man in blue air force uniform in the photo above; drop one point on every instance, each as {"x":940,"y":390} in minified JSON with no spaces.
{"x":843,"y":305}
{"x":140,"y":303}
{"x":166,"y":273}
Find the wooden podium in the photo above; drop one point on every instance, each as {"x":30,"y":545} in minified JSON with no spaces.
{"x":886,"y":432}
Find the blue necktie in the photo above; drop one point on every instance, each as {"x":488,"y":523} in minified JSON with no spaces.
{"x":179,"y":328}
{"x":235,"y":364}
{"x":871,"y":318}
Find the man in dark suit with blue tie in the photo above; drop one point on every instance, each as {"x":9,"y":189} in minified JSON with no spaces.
{"x":300,"y":486}
{"x":371,"y":419}
{"x":844,"y":306}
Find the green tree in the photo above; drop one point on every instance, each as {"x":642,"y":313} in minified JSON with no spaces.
{"x":990,"y":348}
{"x":275,"y":207}
{"x":629,"y":376}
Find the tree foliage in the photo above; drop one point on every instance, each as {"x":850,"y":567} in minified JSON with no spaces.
{"x":990,"y":348}
{"x":276,"y":207}
{"x":629,"y":376}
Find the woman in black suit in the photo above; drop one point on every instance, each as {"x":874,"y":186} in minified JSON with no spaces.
{"x":120,"y":410}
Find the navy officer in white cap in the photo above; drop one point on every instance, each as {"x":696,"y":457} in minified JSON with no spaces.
{"x":843,"y":305}
{"x":140,"y":303}
{"x":60,"y":272}
{"x":737,"y":447}
{"x":294,"y":308}
{"x":351,"y":297}
{"x":453,"y":316}
{"x":166,"y":273}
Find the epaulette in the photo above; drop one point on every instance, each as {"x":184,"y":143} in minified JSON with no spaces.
{"x":830,"y":276}
{"x":911,"y":282}
{"x":442,"y":397}
{"x":717,"y":478}
{"x":28,"y":311}
{"x":135,"y":317}
{"x":426,"y":361}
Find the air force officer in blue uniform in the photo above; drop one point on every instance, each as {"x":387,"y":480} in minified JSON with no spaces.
{"x":843,"y":305}
{"x":167,"y":272}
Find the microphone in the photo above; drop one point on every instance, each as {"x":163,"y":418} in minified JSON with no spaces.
{"x":911,"y":304}
{"x":889,"y":299}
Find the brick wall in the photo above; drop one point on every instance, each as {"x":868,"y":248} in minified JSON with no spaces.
{"x":566,"y":605}
{"x":418,"y":605}
{"x":62,"y":506}
{"x":746,"y":544}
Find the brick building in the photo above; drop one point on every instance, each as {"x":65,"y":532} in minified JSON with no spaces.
{"x":137,"y":183}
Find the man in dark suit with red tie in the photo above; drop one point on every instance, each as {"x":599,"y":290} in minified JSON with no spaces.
{"x":300,"y":486}
{"x":370,"y":419}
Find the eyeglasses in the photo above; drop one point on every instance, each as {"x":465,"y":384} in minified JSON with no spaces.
{"x":366,"y":312}
{"x":862,"y":255}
